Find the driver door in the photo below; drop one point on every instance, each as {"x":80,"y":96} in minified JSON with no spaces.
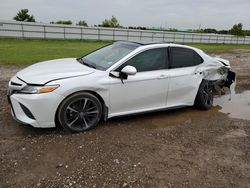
{"x":147,"y":89}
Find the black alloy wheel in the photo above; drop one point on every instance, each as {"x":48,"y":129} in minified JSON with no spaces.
{"x":80,"y":112}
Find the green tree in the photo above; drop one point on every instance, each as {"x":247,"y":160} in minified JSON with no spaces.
{"x":237,"y":30}
{"x":223,"y":32}
{"x":112,"y":22}
{"x":23,"y":15}
{"x":82,"y":23}
{"x":171,"y":30}
{"x":198,"y":31}
{"x":65,"y":22}
{"x":210,"y":30}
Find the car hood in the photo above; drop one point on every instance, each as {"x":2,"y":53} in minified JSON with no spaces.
{"x":41,"y":73}
{"x":215,"y":69}
{"x":223,"y":61}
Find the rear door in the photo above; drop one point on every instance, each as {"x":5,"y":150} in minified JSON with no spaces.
{"x":184,"y":79}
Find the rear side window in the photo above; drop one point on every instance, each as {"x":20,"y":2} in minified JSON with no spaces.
{"x":154,"y":59}
{"x":184,"y":57}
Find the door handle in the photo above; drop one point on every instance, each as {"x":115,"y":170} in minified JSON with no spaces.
{"x":162,"y":77}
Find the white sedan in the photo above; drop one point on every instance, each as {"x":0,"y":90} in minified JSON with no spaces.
{"x":119,"y":79}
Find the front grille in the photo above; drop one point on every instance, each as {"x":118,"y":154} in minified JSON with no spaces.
{"x":15,"y":84}
{"x":27,"y":111}
{"x":11,"y":91}
{"x":8,"y":97}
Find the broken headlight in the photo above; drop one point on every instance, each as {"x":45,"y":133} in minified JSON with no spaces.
{"x":222,"y":70}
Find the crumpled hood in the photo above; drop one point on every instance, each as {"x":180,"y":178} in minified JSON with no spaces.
{"x":223,"y":61}
{"x":215,"y":69}
{"x":41,"y":73}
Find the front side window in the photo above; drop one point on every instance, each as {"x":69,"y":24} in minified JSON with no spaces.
{"x":184,"y":57}
{"x":154,"y":59}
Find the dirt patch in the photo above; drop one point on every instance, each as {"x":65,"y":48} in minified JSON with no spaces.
{"x":178,"y":148}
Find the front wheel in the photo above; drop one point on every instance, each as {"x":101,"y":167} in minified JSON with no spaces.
{"x":204,"y":97}
{"x":80,"y":112}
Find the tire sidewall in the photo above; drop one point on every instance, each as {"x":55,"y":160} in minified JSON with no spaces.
{"x":199,"y":100}
{"x":68,"y":100}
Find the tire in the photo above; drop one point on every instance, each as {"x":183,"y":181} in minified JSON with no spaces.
{"x":80,"y":112}
{"x":205,"y":96}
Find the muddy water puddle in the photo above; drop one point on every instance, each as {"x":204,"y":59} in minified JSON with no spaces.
{"x":235,"y":106}
{"x":182,"y":116}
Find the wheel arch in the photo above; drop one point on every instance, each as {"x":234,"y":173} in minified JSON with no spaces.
{"x":197,"y":101}
{"x":98,"y":96}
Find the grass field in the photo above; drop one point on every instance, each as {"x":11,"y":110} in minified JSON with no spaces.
{"x":220,"y":48}
{"x":18,"y":51}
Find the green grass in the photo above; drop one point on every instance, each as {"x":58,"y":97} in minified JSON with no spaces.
{"x":27,"y":51}
{"x":220,"y":48}
{"x":18,"y":51}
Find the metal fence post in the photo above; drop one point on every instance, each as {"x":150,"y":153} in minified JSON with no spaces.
{"x":44,"y":32}
{"x":127,"y":34}
{"x":140,"y":35}
{"x":81,"y":33}
{"x":152,"y":36}
{"x":22,"y":31}
{"x":99,"y":37}
{"x":113,"y":34}
{"x":64,"y":33}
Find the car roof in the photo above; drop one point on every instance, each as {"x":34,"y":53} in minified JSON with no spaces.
{"x":138,"y":43}
{"x":135,"y":43}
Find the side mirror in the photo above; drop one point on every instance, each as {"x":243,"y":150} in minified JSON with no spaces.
{"x":129,"y":70}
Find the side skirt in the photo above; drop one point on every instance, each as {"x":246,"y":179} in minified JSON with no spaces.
{"x":145,"y":111}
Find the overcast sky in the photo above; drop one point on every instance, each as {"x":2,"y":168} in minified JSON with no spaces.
{"x":181,"y":14}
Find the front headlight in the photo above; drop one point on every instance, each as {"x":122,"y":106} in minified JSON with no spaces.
{"x":222,"y":70}
{"x":29,"y":89}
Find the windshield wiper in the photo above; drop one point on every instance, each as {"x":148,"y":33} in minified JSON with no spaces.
{"x":80,"y":60}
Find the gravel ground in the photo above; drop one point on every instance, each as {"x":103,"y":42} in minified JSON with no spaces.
{"x":178,"y":148}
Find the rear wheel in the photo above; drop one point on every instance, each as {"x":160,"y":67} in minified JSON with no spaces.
{"x":80,"y":112}
{"x":204,"y":97}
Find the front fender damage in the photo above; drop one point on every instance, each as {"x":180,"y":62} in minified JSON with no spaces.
{"x":219,"y":73}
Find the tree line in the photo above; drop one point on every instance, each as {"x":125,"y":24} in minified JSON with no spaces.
{"x":237,"y":29}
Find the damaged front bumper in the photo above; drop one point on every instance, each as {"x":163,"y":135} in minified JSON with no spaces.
{"x":231,"y":77}
{"x":224,"y":85}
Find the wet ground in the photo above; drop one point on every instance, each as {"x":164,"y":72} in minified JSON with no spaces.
{"x":178,"y":148}
{"x":236,"y":105}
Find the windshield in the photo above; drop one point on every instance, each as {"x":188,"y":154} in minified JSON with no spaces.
{"x":107,"y":56}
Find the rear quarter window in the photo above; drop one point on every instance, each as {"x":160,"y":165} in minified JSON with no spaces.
{"x":184,"y":57}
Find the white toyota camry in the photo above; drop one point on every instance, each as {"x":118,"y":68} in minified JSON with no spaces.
{"x":119,"y":79}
